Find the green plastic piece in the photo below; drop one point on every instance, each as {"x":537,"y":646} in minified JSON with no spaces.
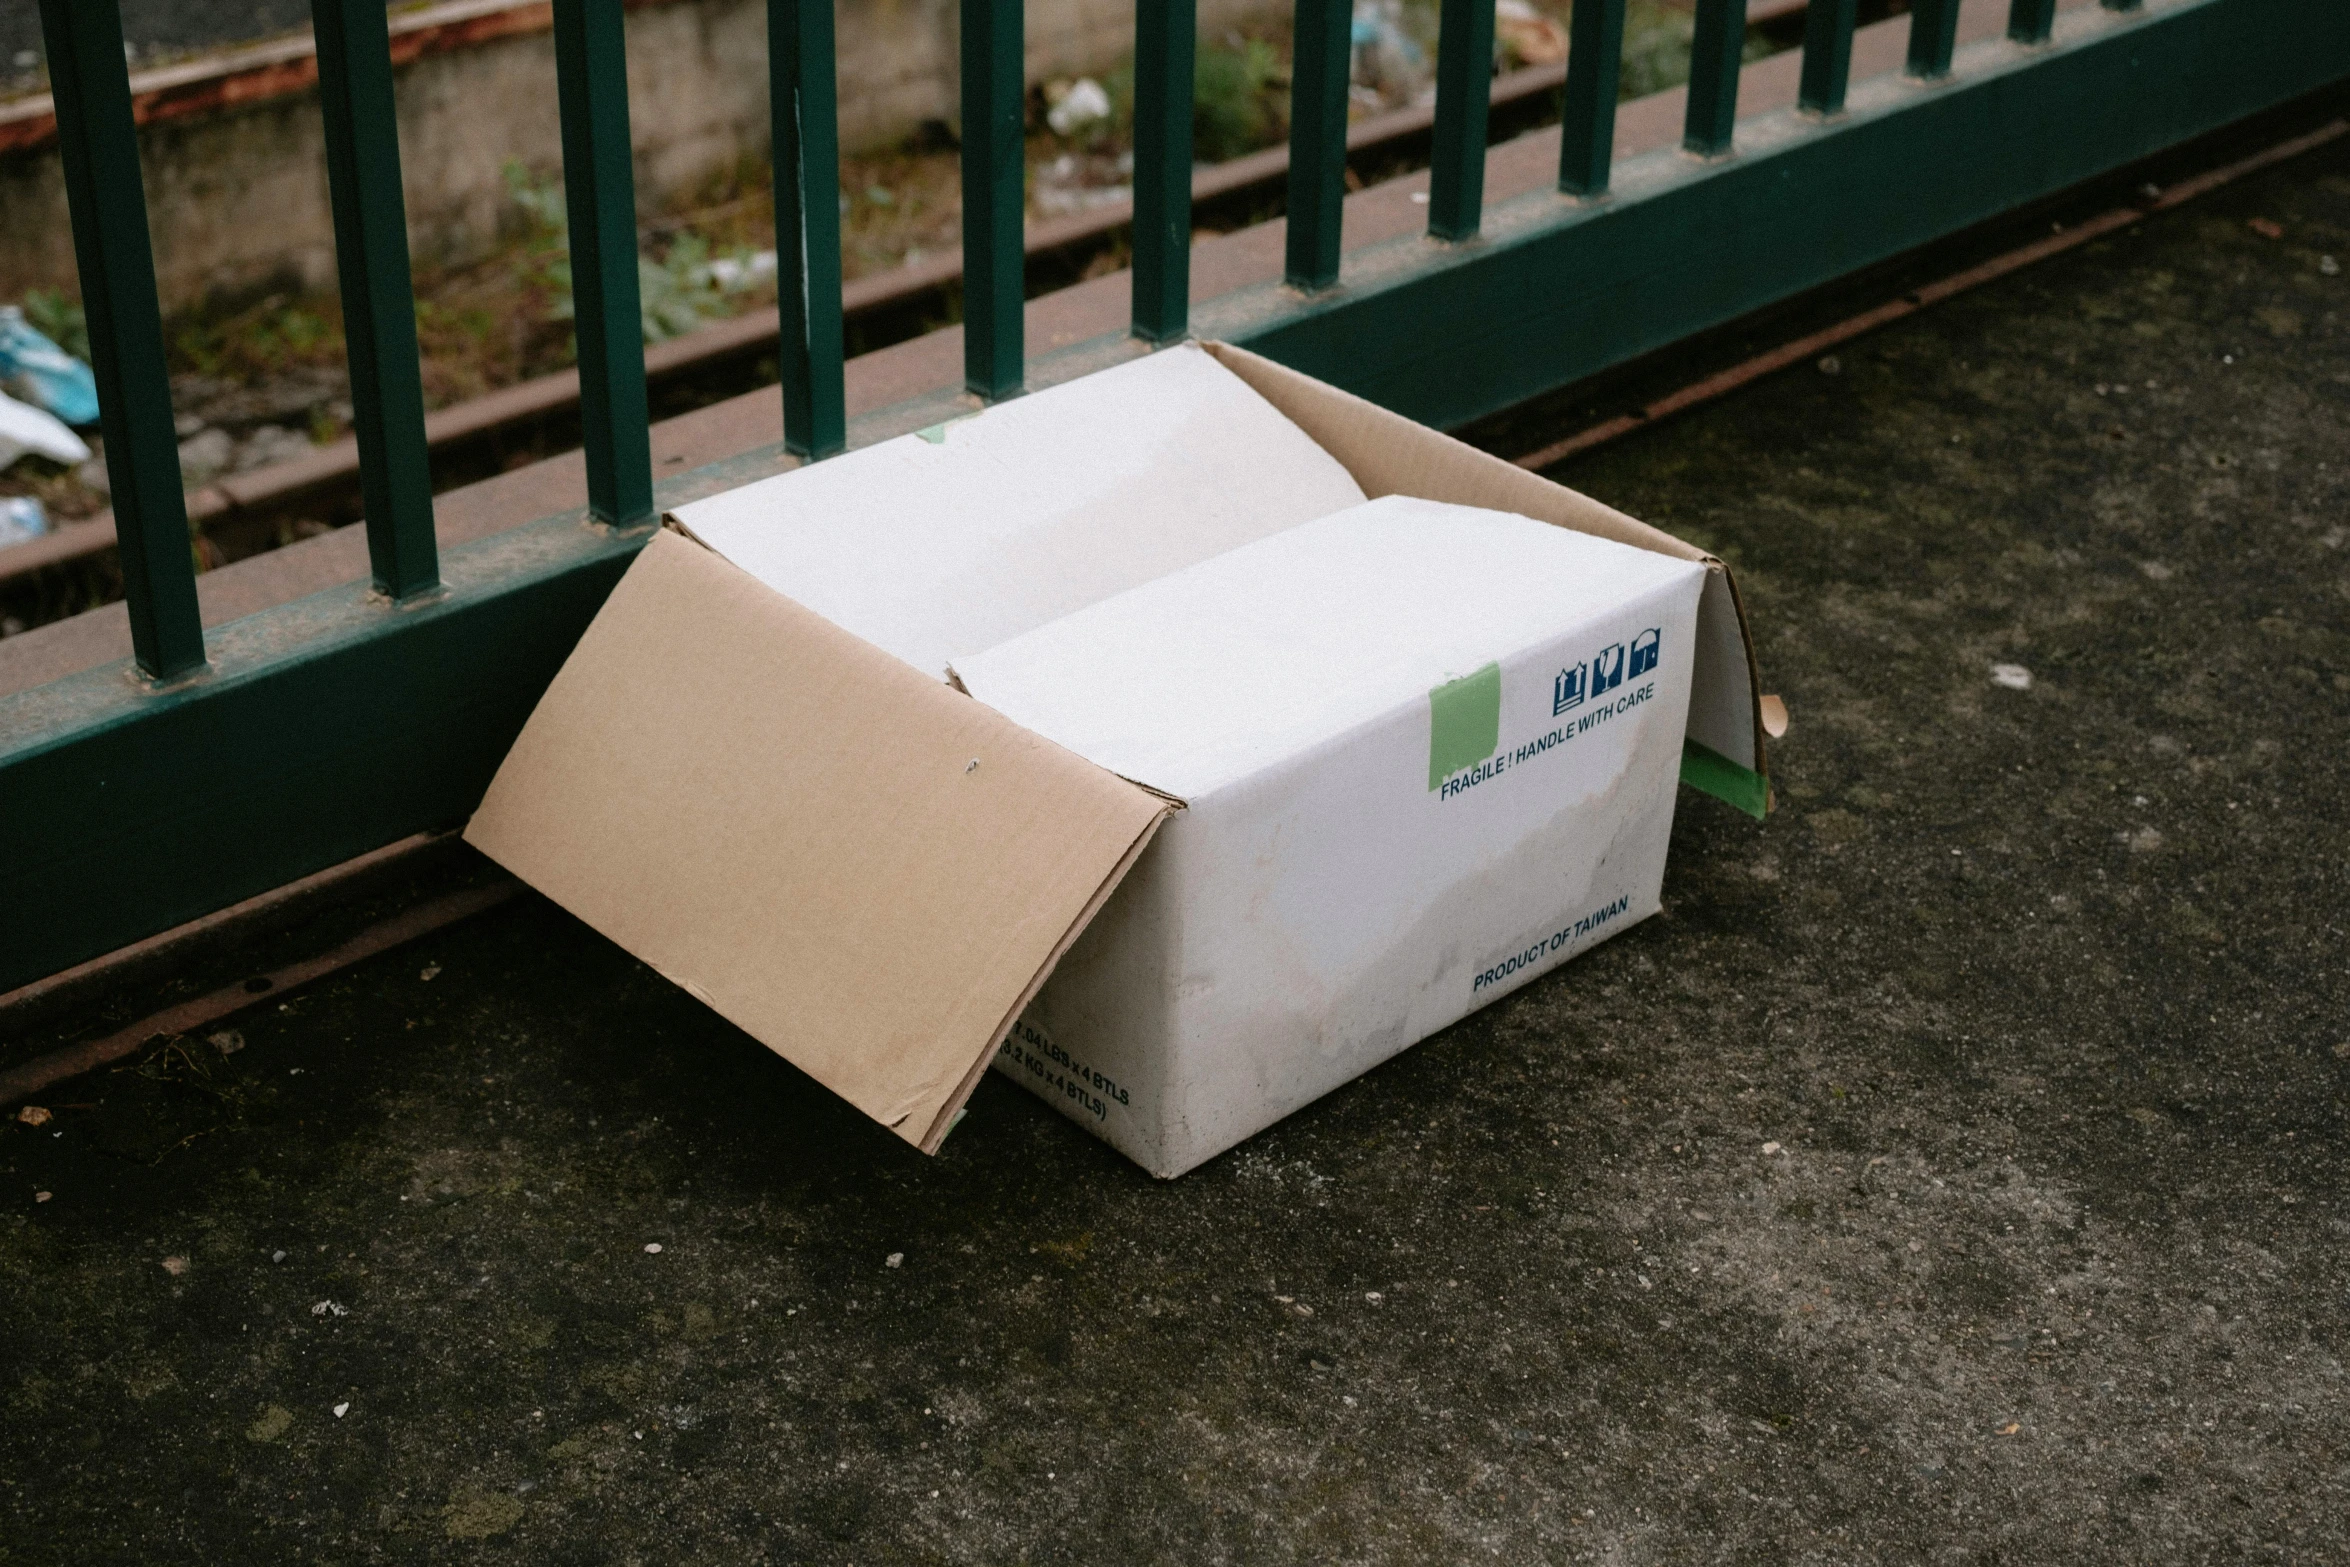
{"x":1710,"y":772}
{"x":1464,"y":723}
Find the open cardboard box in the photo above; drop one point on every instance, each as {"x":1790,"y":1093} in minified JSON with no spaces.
{"x":875,"y":874}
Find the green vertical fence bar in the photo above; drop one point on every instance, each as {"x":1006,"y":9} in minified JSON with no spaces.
{"x":1166,"y":44}
{"x":599,"y":188}
{"x":803,"y":103}
{"x":106,"y":196}
{"x":1827,"y":54}
{"x":1714,"y":55}
{"x":1587,"y":132}
{"x":2031,"y":21}
{"x":1933,"y":35}
{"x":1317,"y":140}
{"x":1464,"y":99}
{"x":379,"y":300}
{"x":994,"y":269}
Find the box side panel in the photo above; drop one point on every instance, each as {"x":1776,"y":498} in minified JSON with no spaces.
{"x":1389,"y":454}
{"x":865,"y":871}
{"x":1333,"y":911}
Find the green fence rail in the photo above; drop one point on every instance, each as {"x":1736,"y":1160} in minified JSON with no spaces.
{"x":222,"y":763}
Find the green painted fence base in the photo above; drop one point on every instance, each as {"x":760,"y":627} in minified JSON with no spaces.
{"x":339,"y":723}
{"x":1710,"y":772}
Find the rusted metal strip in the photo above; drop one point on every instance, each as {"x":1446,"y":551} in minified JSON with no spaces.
{"x":188,"y":1016}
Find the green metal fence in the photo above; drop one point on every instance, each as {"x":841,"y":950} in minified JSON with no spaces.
{"x":233,"y":760}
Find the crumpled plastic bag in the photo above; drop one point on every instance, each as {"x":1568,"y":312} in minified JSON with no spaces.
{"x":37,"y":370}
{"x":24,"y":428}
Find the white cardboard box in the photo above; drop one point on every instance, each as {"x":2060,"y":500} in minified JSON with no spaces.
{"x":1426,"y":752}
{"x":765,"y":789}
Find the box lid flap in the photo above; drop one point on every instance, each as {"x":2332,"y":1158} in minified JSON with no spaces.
{"x":868,"y":872}
{"x":1390,"y":455}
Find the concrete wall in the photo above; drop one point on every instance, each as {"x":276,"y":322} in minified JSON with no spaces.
{"x":237,"y":198}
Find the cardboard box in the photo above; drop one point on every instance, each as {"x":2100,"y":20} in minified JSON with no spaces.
{"x":767,"y":791}
{"x":1426,"y":752}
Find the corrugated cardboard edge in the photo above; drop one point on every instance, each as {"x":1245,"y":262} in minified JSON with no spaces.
{"x":1389,"y":454}
{"x":947,"y":1113}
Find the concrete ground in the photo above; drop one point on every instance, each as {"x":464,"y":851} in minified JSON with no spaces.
{"x":1953,"y":1173}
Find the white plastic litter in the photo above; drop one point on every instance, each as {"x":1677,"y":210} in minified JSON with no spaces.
{"x":1086,"y":102}
{"x":22,"y":519}
{"x":24,"y":428}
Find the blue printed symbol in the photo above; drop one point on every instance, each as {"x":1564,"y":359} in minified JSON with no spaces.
{"x":1607,"y":670}
{"x":1567,"y":690}
{"x":1644,"y":652}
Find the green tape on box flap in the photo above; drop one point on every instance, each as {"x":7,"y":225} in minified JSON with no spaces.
{"x":1709,"y":770}
{"x":1464,"y":723}
{"x":936,"y":434}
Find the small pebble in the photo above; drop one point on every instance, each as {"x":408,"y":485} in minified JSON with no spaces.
{"x":175,"y":1266}
{"x":228,"y":1041}
{"x":893,"y":1259}
{"x":1831,"y":365}
{"x":2015,"y":677}
{"x":2329,"y":266}
{"x":277,"y":1256}
{"x":653,"y":1248}
{"x":431,"y":971}
{"x":34,"y":1115}
{"x":43,"y":1196}
{"x":1770,"y":1148}
{"x":342,"y":1409}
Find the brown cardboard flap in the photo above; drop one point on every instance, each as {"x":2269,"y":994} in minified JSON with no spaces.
{"x":868,"y":872}
{"x":1389,"y":454}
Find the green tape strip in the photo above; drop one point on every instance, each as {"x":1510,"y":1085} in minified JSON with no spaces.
{"x":1706,"y":769}
{"x":936,"y":434}
{"x":1464,"y":723}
